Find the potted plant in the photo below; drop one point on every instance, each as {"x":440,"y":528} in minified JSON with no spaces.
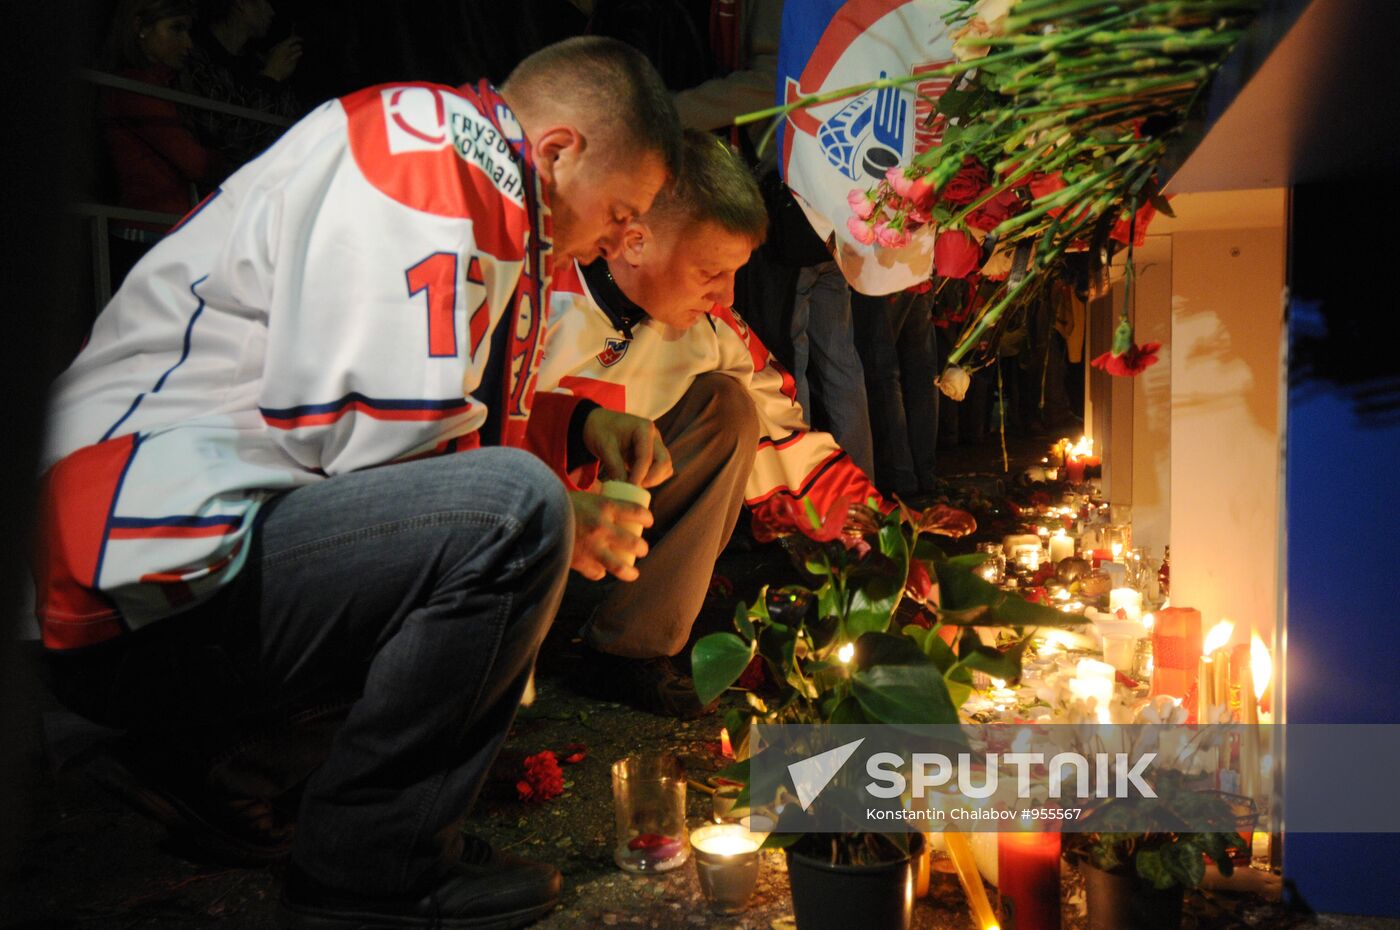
{"x":882,"y":637}
{"x":1136,"y":879}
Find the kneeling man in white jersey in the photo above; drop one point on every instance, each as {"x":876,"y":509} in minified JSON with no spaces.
{"x":650,"y":331}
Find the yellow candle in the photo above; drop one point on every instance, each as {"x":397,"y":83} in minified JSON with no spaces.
{"x":960,"y":851}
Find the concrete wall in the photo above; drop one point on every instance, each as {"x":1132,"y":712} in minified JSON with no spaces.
{"x":1151,"y":485}
{"x":1226,"y":375}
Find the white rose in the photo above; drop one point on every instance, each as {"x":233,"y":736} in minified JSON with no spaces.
{"x":954,"y":382}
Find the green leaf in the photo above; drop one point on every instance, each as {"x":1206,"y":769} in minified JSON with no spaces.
{"x":847,"y":710}
{"x":1152,"y":866}
{"x":1162,"y":205}
{"x":742,"y":622}
{"x":716,"y":662}
{"x":926,"y":551}
{"x":781,"y":840}
{"x":874,"y":649}
{"x":904,"y":694}
{"x":1186,"y":863}
{"x":1004,"y":665}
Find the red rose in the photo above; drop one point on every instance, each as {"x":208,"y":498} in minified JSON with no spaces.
{"x":992,"y":213}
{"x":967,"y":185}
{"x":956,"y":254}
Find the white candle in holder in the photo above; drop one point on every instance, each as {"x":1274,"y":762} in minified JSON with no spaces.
{"x":1061,"y":547}
{"x":1127,"y":600}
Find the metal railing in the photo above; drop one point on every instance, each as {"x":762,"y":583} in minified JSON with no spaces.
{"x":100,"y":215}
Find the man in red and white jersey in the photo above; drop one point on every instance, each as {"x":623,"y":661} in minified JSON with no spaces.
{"x":650,"y":331}
{"x":281,"y":472}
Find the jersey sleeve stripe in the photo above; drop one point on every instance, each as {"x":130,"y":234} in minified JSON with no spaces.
{"x":160,"y":382}
{"x":177,"y":527}
{"x":377,"y":408}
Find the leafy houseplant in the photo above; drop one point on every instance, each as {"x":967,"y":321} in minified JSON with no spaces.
{"x":882,"y":637}
{"x":1135,"y":878}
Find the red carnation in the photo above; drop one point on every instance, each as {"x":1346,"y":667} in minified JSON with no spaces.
{"x":1138,"y":230}
{"x":543,"y":778}
{"x":956,"y":254}
{"x":1133,"y":362}
{"x":919,"y":190}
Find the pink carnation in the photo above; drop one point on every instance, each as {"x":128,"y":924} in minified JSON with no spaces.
{"x":862,"y":204}
{"x":860,"y":230}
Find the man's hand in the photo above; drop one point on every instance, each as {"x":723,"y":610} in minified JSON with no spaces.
{"x":628,"y":448}
{"x":600,"y":544}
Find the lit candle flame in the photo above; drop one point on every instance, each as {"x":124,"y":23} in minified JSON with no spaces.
{"x":1083,"y":448}
{"x":1261,"y":666}
{"x":1117,"y":550}
{"x":1148,"y":620}
{"x":846,"y":653}
{"x":1218,"y":637}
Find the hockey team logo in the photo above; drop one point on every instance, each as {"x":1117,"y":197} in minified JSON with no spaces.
{"x":415,"y":118}
{"x":613,"y":350}
{"x":866,"y":137}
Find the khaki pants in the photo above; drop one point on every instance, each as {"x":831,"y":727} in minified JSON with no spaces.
{"x":712,"y":434}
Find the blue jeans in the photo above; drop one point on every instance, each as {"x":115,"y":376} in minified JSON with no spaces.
{"x":423,"y":590}
{"x":825,"y":362}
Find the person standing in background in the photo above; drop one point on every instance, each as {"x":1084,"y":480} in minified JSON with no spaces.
{"x":157,"y":161}
{"x":226,"y":66}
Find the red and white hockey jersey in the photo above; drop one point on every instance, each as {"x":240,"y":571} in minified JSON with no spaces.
{"x":333,"y":307}
{"x":587,"y":356}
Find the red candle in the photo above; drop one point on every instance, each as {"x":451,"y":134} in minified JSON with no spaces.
{"x":1074,"y":470}
{"x":1028,"y":876}
{"x":1176,"y":651}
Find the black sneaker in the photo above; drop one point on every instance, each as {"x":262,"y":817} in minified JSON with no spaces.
{"x":485,"y":890}
{"x":653,"y":685}
{"x":242,"y":831}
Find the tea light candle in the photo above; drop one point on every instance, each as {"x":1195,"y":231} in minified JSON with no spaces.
{"x":1009,"y":544}
{"x":727,"y":863}
{"x":1126,"y":600}
{"x":1093,"y":682}
{"x":1061,"y":547}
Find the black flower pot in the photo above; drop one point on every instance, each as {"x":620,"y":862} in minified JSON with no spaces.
{"x":1124,"y":901}
{"x":839,"y":897}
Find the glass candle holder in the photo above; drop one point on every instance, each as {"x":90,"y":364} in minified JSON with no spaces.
{"x":649,"y":804}
{"x":994,"y":569}
{"x":727,"y":862}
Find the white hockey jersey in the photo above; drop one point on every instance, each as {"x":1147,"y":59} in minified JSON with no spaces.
{"x":587,"y":356}
{"x":333,"y":306}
